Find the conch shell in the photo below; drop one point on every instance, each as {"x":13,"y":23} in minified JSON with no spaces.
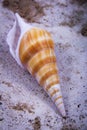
{"x":33,"y":49}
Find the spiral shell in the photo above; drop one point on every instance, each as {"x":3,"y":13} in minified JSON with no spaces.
{"x":34,"y":50}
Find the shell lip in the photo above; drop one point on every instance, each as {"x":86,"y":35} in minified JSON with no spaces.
{"x":24,"y":27}
{"x":15,"y":35}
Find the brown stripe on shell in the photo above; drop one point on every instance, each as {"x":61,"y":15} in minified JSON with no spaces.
{"x":42,"y":63}
{"x":57,"y":98}
{"x":34,"y":41}
{"x":40,"y":59}
{"x":54,"y":79}
{"x":51,"y":84}
{"x":59,"y":103}
{"x":46,"y":68}
{"x":47,"y":75}
{"x":54,"y":92}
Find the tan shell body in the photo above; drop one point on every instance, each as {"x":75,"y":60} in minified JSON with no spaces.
{"x":33,"y":48}
{"x":36,"y":52}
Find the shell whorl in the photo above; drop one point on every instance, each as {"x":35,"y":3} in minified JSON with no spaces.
{"x":32,"y":42}
{"x":36,"y":52}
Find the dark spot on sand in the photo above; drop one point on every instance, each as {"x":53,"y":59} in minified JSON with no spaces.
{"x":23,"y":107}
{"x":0,"y":103}
{"x":80,"y":2}
{"x":8,"y":84}
{"x":5,"y":3}
{"x":0,"y":97}
{"x":28,"y":9}
{"x":84,"y":30}
{"x":36,"y":123}
{"x":79,"y":105}
{"x":1,"y":119}
{"x":81,"y":117}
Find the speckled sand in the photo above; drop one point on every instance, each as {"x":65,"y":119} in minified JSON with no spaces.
{"x":24,"y":105}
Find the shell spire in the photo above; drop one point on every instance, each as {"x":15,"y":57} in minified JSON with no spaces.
{"x":33,"y":48}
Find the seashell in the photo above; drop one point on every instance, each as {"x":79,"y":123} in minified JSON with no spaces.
{"x":33,"y":49}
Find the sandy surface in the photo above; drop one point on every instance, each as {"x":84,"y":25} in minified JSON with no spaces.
{"x":23,"y":103}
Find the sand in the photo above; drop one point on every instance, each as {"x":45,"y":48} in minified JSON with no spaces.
{"x":24,"y":105}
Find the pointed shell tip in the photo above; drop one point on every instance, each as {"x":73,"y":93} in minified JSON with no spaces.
{"x":64,"y":115}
